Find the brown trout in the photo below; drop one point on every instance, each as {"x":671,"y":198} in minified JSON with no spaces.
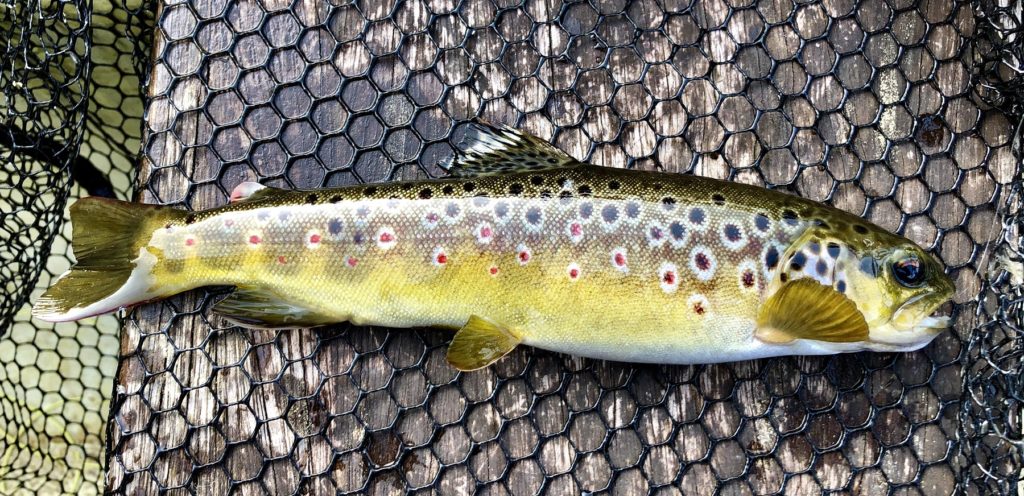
{"x":523,"y":244}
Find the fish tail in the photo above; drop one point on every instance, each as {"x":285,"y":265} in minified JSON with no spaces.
{"x":113,"y":269}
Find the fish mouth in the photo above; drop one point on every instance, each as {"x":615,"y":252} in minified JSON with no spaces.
{"x":917,"y":314}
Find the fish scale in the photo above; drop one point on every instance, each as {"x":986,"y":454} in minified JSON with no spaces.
{"x":607,"y":263}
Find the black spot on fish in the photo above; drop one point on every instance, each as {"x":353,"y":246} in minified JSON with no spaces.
{"x":833,"y":250}
{"x":718,"y":199}
{"x":481,"y":201}
{"x":798,"y":261}
{"x":534,"y":216}
{"x":614,"y":185}
{"x":312,"y":199}
{"x":447,"y":190}
{"x":677,"y":230}
{"x":515,"y":189}
{"x":586,"y":210}
{"x":841,"y":286}
{"x":263,"y":216}
{"x":771,"y":258}
{"x":697,"y":216}
{"x":191,"y":219}
{"x":335,"y":198}
{"x":814,"y":247}
{"x":370,"y":191}
{"x":562,"y":181}
{"x":732,"y":233}
{"x":467,"y":187}
{"x":407,"y":186}
{"x":761,"y":222}
{"x":789,"y":217}
{"x":283,"y":216}
{"x":358,"y":238}
{"x":632,"y":210}
{"x":821,"y":267}
{"x":546,"y":193}
{"x":783,"y":277}
{"x":584,"y":190}
{"x":860,"y":229}
{"x":610,"y":214}
{"x":334,"y":226}
{"x":363,"y":212}
{"x":536,"y":180}
{"x":657,"y":186}
{"x":426,"y":193}
{"x":869,"y":266}
{"x":452,"y":210}
{"x":668,"y":203}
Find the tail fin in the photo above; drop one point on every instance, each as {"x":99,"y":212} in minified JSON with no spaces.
{"x":113,"y":269}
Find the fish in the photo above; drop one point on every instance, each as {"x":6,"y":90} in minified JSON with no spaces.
{"x":522,"y":244}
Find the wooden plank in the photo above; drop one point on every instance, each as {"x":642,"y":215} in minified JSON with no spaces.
{"x":313,"y":95}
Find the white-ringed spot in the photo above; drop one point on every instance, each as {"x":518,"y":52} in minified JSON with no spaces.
{"x":668,"y":277}
{"x":493,"y":270}
{"x":484,"y":233}
{"x":747,"y":275}
{"x":439,"y":257}
{"x":254,"y":239}
{"x":632,"y":211}
{"x":431,"y":219}
{"x":573,"y":271}
{"x":611,"y":216}
{"x":619,"y":260}
{"x":281,"y":260}
{"x":363,"y":214}
{"x":678,"y":234}
{"x":733,"y":236}
{"x":698,"y":219}
{"x":190,"y":241}
{"x":386,"y":238}
{"x":656,"y":235}
{"x":502,"y":212}
{"x":523,"y":254}
{"x":699,"y":304}
{"x":533,"y":218}
{"x":574,"y":229}
{"x":453,"y":212}
{"x":703,"y":263}
{"x":313,"y":239}
{"x":351,"y":261}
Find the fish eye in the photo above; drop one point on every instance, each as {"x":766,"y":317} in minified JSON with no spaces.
{"x":908,"y":272}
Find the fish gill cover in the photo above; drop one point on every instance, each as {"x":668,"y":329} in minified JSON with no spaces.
{"x":904,"y":112}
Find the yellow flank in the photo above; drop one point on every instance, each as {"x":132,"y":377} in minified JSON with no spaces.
{"x":615,"y":264}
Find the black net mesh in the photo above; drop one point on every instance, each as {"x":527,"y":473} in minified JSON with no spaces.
{"x":905,"y":112}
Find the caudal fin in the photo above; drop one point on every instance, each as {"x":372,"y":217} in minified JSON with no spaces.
{"x":113,"y":269}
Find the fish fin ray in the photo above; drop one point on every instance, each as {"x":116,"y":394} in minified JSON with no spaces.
{"x":259,"y":308}
{"x":107,"y":237}
{"x":480,"y":343}
{"x":807,"y":309}
{"x":488,"y":150}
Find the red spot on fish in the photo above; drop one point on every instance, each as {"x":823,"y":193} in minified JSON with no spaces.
{"x":493,"y":270}
{"x":314,"y":238}
{"x":748,"y":279}
{"x":698,"y":308}
{"x":228,"y":223}
{"x":432,"y":217}
{"x":281,"y":260}
{"x":254,"y":240}
{"x":190,"y":241}
{"x":669,"y":277}
{"x":524,"y":256}
{"x":352,"y":261}
{"x":486,"y":232}
{"x":574,"y":273}
{"x":576,"y":230}
{"x":702,"y":261}
{"x":620,"y":259}
{"x":442,"y":258}
{"x":386,"y":237}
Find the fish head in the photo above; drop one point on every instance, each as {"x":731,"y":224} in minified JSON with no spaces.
{"x":898,"y":287}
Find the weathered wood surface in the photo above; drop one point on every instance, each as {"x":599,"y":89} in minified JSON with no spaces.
{"x":876,"y":120}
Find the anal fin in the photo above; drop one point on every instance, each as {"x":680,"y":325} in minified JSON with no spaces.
{"x":807,"y":309}
{"x":480,"y":343}
{"x":251,"y":307}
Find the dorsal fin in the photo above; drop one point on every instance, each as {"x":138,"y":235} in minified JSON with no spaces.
{"x":246,"y":190}
{"x":488,"y":151}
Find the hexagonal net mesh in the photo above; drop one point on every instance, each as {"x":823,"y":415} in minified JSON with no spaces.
{"x":904,"y":112}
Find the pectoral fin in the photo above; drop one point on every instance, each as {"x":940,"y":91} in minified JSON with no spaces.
{"x":807,"y":309}
{"x":251,"y":307}
{"x":480,"y":343}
